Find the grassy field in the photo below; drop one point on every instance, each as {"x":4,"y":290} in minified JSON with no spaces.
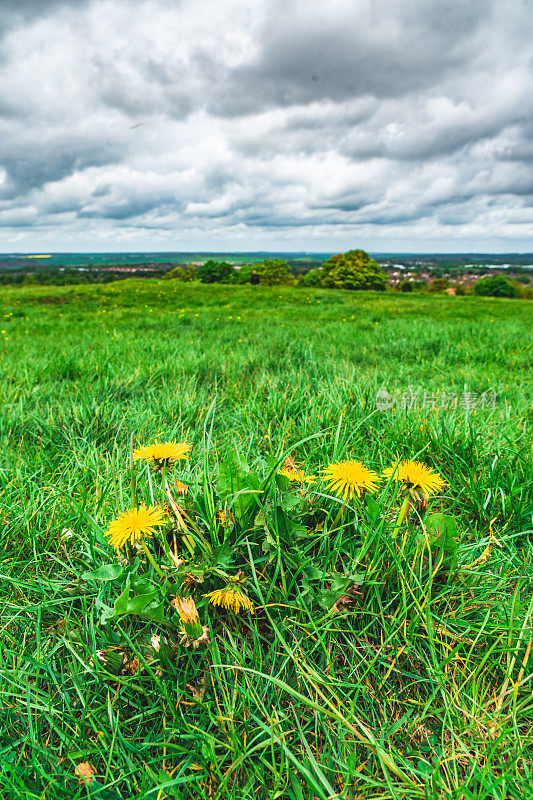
{"x":374,"y":666}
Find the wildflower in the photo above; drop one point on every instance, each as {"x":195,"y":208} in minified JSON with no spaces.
{"x":163,"y":454}
{"x":417,"y":480}
{"x":196,"y":634}
{"x":350,"y":478}
{"x":294,"y":472}
{"x":135,"y":524}
{"x":181,"y":488}
{"x":188,"y":614}
{"x":231,"y":597}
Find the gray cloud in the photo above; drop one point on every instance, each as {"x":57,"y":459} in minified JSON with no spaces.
{"x":366,"y":123}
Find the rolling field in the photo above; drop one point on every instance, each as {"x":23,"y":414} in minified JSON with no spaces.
{"x":374,"y":665}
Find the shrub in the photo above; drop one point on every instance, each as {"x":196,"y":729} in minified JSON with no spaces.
{"x":406,"y":286}
{"x":495,"y":286}
{"x":216,"y":272}
{"x":439,"y":285}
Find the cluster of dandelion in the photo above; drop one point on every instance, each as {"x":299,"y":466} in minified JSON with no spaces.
{"x":174,"y":521}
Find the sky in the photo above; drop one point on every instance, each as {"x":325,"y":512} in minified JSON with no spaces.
{"x":237,"y":125}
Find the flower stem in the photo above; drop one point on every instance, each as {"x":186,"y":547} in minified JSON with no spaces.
{"x":152,"y":561}
{"x":401,"y":516}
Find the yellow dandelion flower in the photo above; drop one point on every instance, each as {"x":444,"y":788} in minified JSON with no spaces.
{"x":350,"y":478}
{"x":416,"y":478}
{"x":231,"y":597}
{"x":163,"y":453}
{"x":135,"y":524}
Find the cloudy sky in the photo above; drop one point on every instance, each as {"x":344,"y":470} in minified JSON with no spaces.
{"x":266,"y":124}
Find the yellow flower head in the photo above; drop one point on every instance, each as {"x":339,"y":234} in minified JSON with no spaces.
{"x":231,"y":597}
{"x":350,"y":478}
{"x":188,"y":614}
{"x":416,"y":477}
{"x":163,"y":453}
{"x":135,"y":524}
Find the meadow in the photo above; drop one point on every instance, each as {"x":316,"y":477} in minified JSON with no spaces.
{"x":377,"y":662}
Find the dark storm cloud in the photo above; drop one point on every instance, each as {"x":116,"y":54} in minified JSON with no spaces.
{"x":228,"y":119}
{"x":315,"y":57}
{"x":29,"y":168}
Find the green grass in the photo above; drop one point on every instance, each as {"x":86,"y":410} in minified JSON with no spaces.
{"x":434,"y":665}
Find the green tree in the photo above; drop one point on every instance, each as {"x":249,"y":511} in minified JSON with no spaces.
{"x":216,"y":272}
{"x":353,"y":270}
{"x":495,"y":286}
{"x":185,"y":273}
{"x":406,"y":286}
{"x":274,"y":271}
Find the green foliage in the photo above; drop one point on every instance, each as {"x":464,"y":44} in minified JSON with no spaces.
{"x":406,"y":286}
{"x":460,"y":290}
{"x":244,"y":274}
{"x":311,"y":278}
{"x":438,"y":286}
{"x":353,"y":270}
{"x":216,"y":272}
{"x":438,"y":543}
{"x":274,"y":272}
{"x":186,"y":274}
{"x":495,"y":286}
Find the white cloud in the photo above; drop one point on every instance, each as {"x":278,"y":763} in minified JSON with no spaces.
{"x":377,"y":123}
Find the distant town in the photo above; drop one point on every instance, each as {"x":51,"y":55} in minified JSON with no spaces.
{"x":420,"y":271}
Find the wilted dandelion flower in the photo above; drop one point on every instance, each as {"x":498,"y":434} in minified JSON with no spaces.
{"x":135,"y":524}
{"x":294,"y":472}
{"x":112,"y":658}
{"x":226,"y":518}
{"x":231,"y":597}
{"x":350,"y":478}
{"x":416,"y":479}
{"x":181,"y":488}
{"x":163,"y":454}
{"x":188,"y":614}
